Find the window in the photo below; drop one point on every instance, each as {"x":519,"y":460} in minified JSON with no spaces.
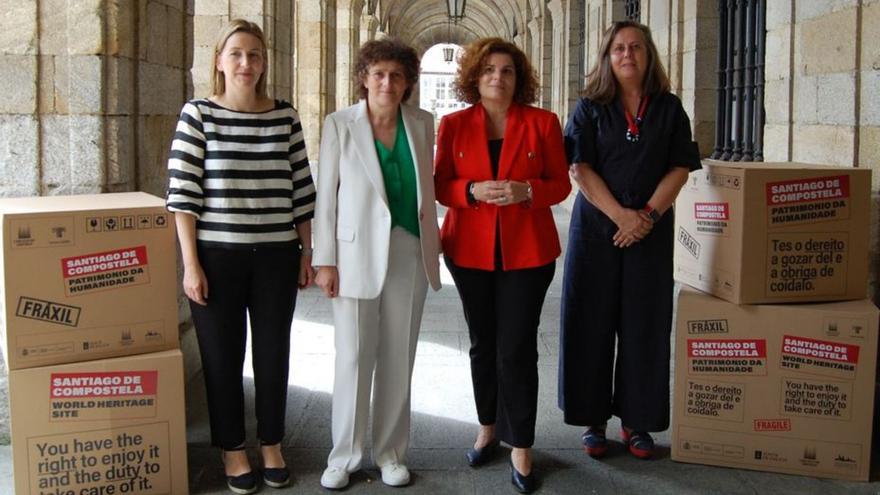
{"x":632,"y":10}
{"x":739,"y":119}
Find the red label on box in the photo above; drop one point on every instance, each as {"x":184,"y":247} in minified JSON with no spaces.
{"x":820,"y":349}
{"x":102,"y":384}
{"x":105,"y":271}
{"x":727,"y":348}
{"x":104,"y":262}
{"x":807,"y":190}
{"x":772,"y":424}
{"x":712,"y":211}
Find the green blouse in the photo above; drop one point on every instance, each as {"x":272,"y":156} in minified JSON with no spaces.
{"x":399,"y":172}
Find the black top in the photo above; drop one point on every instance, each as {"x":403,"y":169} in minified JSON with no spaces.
{"x":494,"y":159}
{"x":596,"y":134}
{"x":495,"y":154}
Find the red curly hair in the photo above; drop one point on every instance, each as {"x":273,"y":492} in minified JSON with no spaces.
{"x":470,"y":66}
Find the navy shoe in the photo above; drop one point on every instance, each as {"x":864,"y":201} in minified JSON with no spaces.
{"x":595,"y":442}
{"x":523,"y":483}
{"x":243,"y":484}
{"x":478,"y":457}
{"x":276,"y":477}
{"x":640,"y":443}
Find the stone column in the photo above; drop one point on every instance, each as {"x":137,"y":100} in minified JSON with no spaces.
{"x":558,"y":56}
{"x":315,"y":70}
{"x":348,"y":32}
{"x":698,"y":78}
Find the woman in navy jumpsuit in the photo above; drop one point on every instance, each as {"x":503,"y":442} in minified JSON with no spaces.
{"x":630,"y":148}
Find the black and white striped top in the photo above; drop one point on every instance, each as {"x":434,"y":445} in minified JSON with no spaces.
{"x":244,"y":175}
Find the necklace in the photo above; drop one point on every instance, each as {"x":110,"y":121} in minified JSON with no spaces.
{"x":633,"y":125}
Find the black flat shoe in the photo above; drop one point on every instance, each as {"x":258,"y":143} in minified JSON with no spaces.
{"x":522,"y":483}
{"x":243,"y":484}
{"x":478,"y":457}
{"x":276,"y":477}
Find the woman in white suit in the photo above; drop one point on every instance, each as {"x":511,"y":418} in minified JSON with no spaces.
{"x":376,"y":251}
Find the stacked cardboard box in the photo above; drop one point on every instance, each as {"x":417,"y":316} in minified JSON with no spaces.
{"x":774,"y":387}
{"x":89,"y":335}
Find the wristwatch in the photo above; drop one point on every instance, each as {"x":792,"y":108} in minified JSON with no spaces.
{"x":653,"y":214}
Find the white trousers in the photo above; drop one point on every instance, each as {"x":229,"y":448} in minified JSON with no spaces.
{"x":375,"y":348}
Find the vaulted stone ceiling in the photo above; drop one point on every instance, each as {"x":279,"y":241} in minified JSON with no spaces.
{"x":424,"y":23}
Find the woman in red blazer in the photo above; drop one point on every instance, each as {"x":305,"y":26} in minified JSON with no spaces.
{"x":500,"y":166}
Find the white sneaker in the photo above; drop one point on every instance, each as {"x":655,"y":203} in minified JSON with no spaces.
{"x":334,"y":478}
{"x":395,"y":474}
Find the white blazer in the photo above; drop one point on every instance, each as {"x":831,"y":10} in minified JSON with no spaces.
{"x":352,"y":226}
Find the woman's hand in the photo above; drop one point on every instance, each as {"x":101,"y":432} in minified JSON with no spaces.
{"x":306,"y":272}
{"x":501,"y":192}
{"x":632,"y":228}
{"x":327,"y":279}
{"x":195,"y":284}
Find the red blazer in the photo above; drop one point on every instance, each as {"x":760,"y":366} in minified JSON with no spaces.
{"x":533,"y":151}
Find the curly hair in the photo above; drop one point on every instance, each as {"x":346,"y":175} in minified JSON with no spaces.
{"x":385,"y":50}
{"x":218,"y":80}
{"x":470,"y":67}
{"x":601,"y":83}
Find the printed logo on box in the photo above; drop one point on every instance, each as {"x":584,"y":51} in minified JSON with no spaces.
{"x":711,"y":218}
{"x":727,"y":356}
{"x":822,"y":357}
{"x":102,"y":271}
{"x":689,"y":242}
{"x":725,"y":181}
{"x":101,"y":395}
{"x":781,"y":424}
{"x":707,"y":326}
{"x":808,"y":200}
{"x":50,"y":312}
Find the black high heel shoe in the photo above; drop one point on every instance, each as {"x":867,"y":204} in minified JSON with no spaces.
{"x":523,"y":483}
{"x":478,"y":457}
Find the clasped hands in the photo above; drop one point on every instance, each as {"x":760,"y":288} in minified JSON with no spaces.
{"x":501,"y":192}
{"x":632,"y":227}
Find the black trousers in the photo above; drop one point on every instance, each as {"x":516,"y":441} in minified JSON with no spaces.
{"x":503,"y":310}
{"x":615,"y":299}
{"x":260,"y":283}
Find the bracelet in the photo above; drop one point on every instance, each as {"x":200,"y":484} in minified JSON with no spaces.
{"x":306,"y":251}
{"x":470,"y":193}
{"x":529,"y":191}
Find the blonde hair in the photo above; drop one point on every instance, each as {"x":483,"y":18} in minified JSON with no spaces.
{"x":218,"y":82}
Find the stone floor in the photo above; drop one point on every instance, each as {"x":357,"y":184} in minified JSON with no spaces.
{"x":444,"y":424}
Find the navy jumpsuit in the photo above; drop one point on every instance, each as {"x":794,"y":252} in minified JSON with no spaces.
{"x":624,"y":293}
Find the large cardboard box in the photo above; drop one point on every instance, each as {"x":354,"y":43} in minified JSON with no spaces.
{"x":104,"y":427}
{"x":784,"y":388}
{"x":774,"y":232}
{"x":86,"y":277}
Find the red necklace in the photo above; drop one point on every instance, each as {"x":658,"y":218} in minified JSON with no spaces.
{"x":632,"y":126}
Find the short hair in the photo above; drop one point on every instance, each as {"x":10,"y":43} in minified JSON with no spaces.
{"x":218,"y":82}
{"x":470,"y":67}
{"x":601,"y":84}
{"x":386,"y":50}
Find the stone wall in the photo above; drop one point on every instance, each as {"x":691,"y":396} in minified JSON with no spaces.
{"x":91,"y":93}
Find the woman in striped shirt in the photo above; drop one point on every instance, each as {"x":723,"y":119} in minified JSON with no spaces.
{"x":243,"y":199}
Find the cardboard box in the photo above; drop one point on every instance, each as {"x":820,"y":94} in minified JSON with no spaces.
{"x":86,"y":277}
{"x":783,"y":388}
{"x":774,"y":232}
{"x":104,"y":427}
